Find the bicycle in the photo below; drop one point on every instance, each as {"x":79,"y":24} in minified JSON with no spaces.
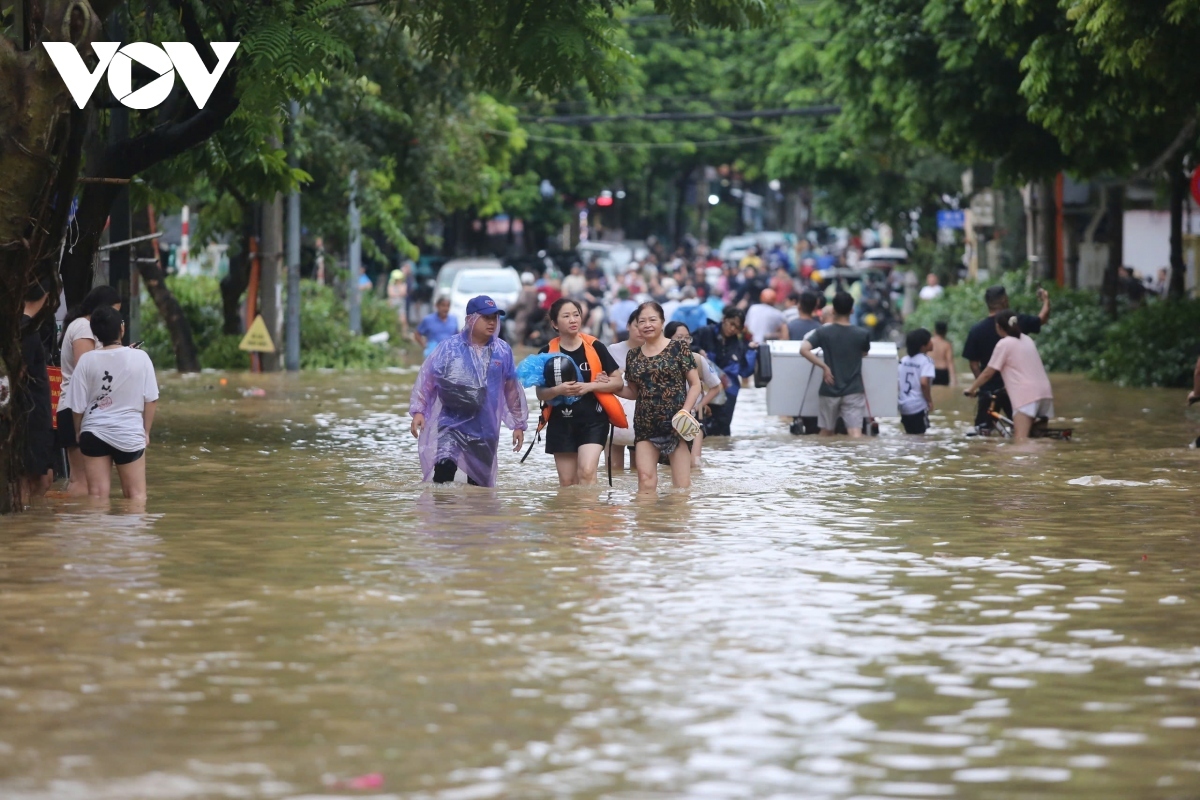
{"x":1003,"y":426}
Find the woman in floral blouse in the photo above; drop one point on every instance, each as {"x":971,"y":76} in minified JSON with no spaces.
{"x":661,"y":376}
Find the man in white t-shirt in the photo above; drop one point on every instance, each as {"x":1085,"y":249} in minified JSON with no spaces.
{"x":932,"y":289}
{"x":916,"y":382}
{"x":764,"y":321}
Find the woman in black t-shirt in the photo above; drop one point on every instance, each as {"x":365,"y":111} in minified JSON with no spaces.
{"x":576,"y":432}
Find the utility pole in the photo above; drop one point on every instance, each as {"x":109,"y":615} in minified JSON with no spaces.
{"x":292,"y":349}
{"x":120,"y":225}
{"x":272,"y":289}
{"x":352,"y":291}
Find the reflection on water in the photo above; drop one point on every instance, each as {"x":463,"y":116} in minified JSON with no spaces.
{"x":885,"y":618}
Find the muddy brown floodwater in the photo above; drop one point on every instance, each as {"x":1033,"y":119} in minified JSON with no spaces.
{"x":899,"y":617}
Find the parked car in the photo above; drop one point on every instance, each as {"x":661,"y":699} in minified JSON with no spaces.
{"x":449,"y":270}
{"x":502,"y":284}
{"x":614,"y":257}
{"x":734,"y":248}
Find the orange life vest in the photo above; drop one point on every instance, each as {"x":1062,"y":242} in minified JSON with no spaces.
{"x":607,"y":400}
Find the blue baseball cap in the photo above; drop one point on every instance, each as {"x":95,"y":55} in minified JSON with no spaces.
{"x":483,"y":305}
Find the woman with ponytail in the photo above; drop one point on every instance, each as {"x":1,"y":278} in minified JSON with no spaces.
{"x":1017,"y":361}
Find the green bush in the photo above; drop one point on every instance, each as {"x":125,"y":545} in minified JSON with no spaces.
{"x":325,"y":339}
{"x":1155,"y":345}
{"x":200,"y":299}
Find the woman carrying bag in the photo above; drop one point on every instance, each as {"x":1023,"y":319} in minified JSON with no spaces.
{"x":576,"y":433}
{"x":662,"y":377}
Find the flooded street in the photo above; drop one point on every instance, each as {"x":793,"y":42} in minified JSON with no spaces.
{"x":898,"y":617}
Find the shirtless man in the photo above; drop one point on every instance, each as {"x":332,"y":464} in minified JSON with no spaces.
{"x":943,"y":357}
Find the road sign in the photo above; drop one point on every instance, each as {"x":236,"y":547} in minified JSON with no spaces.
{"x":257,"y":339}
{"x":1196,"y":185}
{"x":949,"y":220}
{"x":983,"y":209}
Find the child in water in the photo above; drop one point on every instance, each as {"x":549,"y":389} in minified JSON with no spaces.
{"x":916,"y":379}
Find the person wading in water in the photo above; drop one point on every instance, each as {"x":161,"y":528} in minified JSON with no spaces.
{"x":662,"y":377}
{"x":576,"y":433}
{"x":465,"y":389}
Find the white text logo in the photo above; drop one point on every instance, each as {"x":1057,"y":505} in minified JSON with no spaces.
{"x":172,"y":57}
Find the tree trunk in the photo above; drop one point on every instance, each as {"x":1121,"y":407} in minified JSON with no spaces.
{"x":186,"y":358}
{"x":234,"y":284}
{"x":1047,"y":231}
{"x":41,"y":135}
{"x":169,"y":310}
{"x":678,"y":222}
{"x":1179,"y":193}
{"x":1116,"y":246}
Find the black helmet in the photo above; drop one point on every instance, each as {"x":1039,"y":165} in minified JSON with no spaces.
{"x":559,"y":369}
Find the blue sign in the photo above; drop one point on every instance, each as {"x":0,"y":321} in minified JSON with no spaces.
{"x":951,"y":219}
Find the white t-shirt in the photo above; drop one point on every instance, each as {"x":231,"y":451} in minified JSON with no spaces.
{"x":618,"y":351}
{"x":912,"y":370}
{"x":112,"y":387}
{"x":931,"y":292}
{"x":763,"y":321}
{"x":77,"y":330}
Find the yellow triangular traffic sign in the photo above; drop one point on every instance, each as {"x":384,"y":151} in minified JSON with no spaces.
{"x":257,"y":339}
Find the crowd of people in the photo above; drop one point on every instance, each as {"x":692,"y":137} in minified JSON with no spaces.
{"x":669,"y":381}
{"x":659,"y":356}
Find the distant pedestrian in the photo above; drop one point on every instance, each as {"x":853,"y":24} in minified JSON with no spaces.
{"x":804,"y":323}
{"x":945,"y":373}
{"x":916,"y":379}
{"x":466,"y":388}
{"x":724,"y":346}
{"x":982,"y":340}
{"x":78,"y":339}
{"x":1016,"y":358}
{"x":932,"y":290}
{"x":113,"y":397}
{"x":662,"y":377}
{"x":36,"y":413}
{"x":397,"y":294}
{"x":436,"y":327}
{"x":844,"y":345}
{"x":620,"y":312}
{"x":764,"y":321}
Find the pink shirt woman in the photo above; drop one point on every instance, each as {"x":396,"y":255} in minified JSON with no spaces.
{"x":1017,"y":360}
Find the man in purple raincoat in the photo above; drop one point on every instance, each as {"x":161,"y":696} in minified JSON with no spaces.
{"x":466,"y":388}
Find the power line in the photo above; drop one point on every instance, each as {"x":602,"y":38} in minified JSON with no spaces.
{"x":632,"y":145}
{"x":685,"y":116}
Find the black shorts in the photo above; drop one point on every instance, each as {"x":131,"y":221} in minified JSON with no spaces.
{"x":915,"y":423}
{"x":93,"y":446}
{"x":38,"y":456}
{"x":941,"y":377}
{"x":64,"y":436}
{"x":566,"y":436}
